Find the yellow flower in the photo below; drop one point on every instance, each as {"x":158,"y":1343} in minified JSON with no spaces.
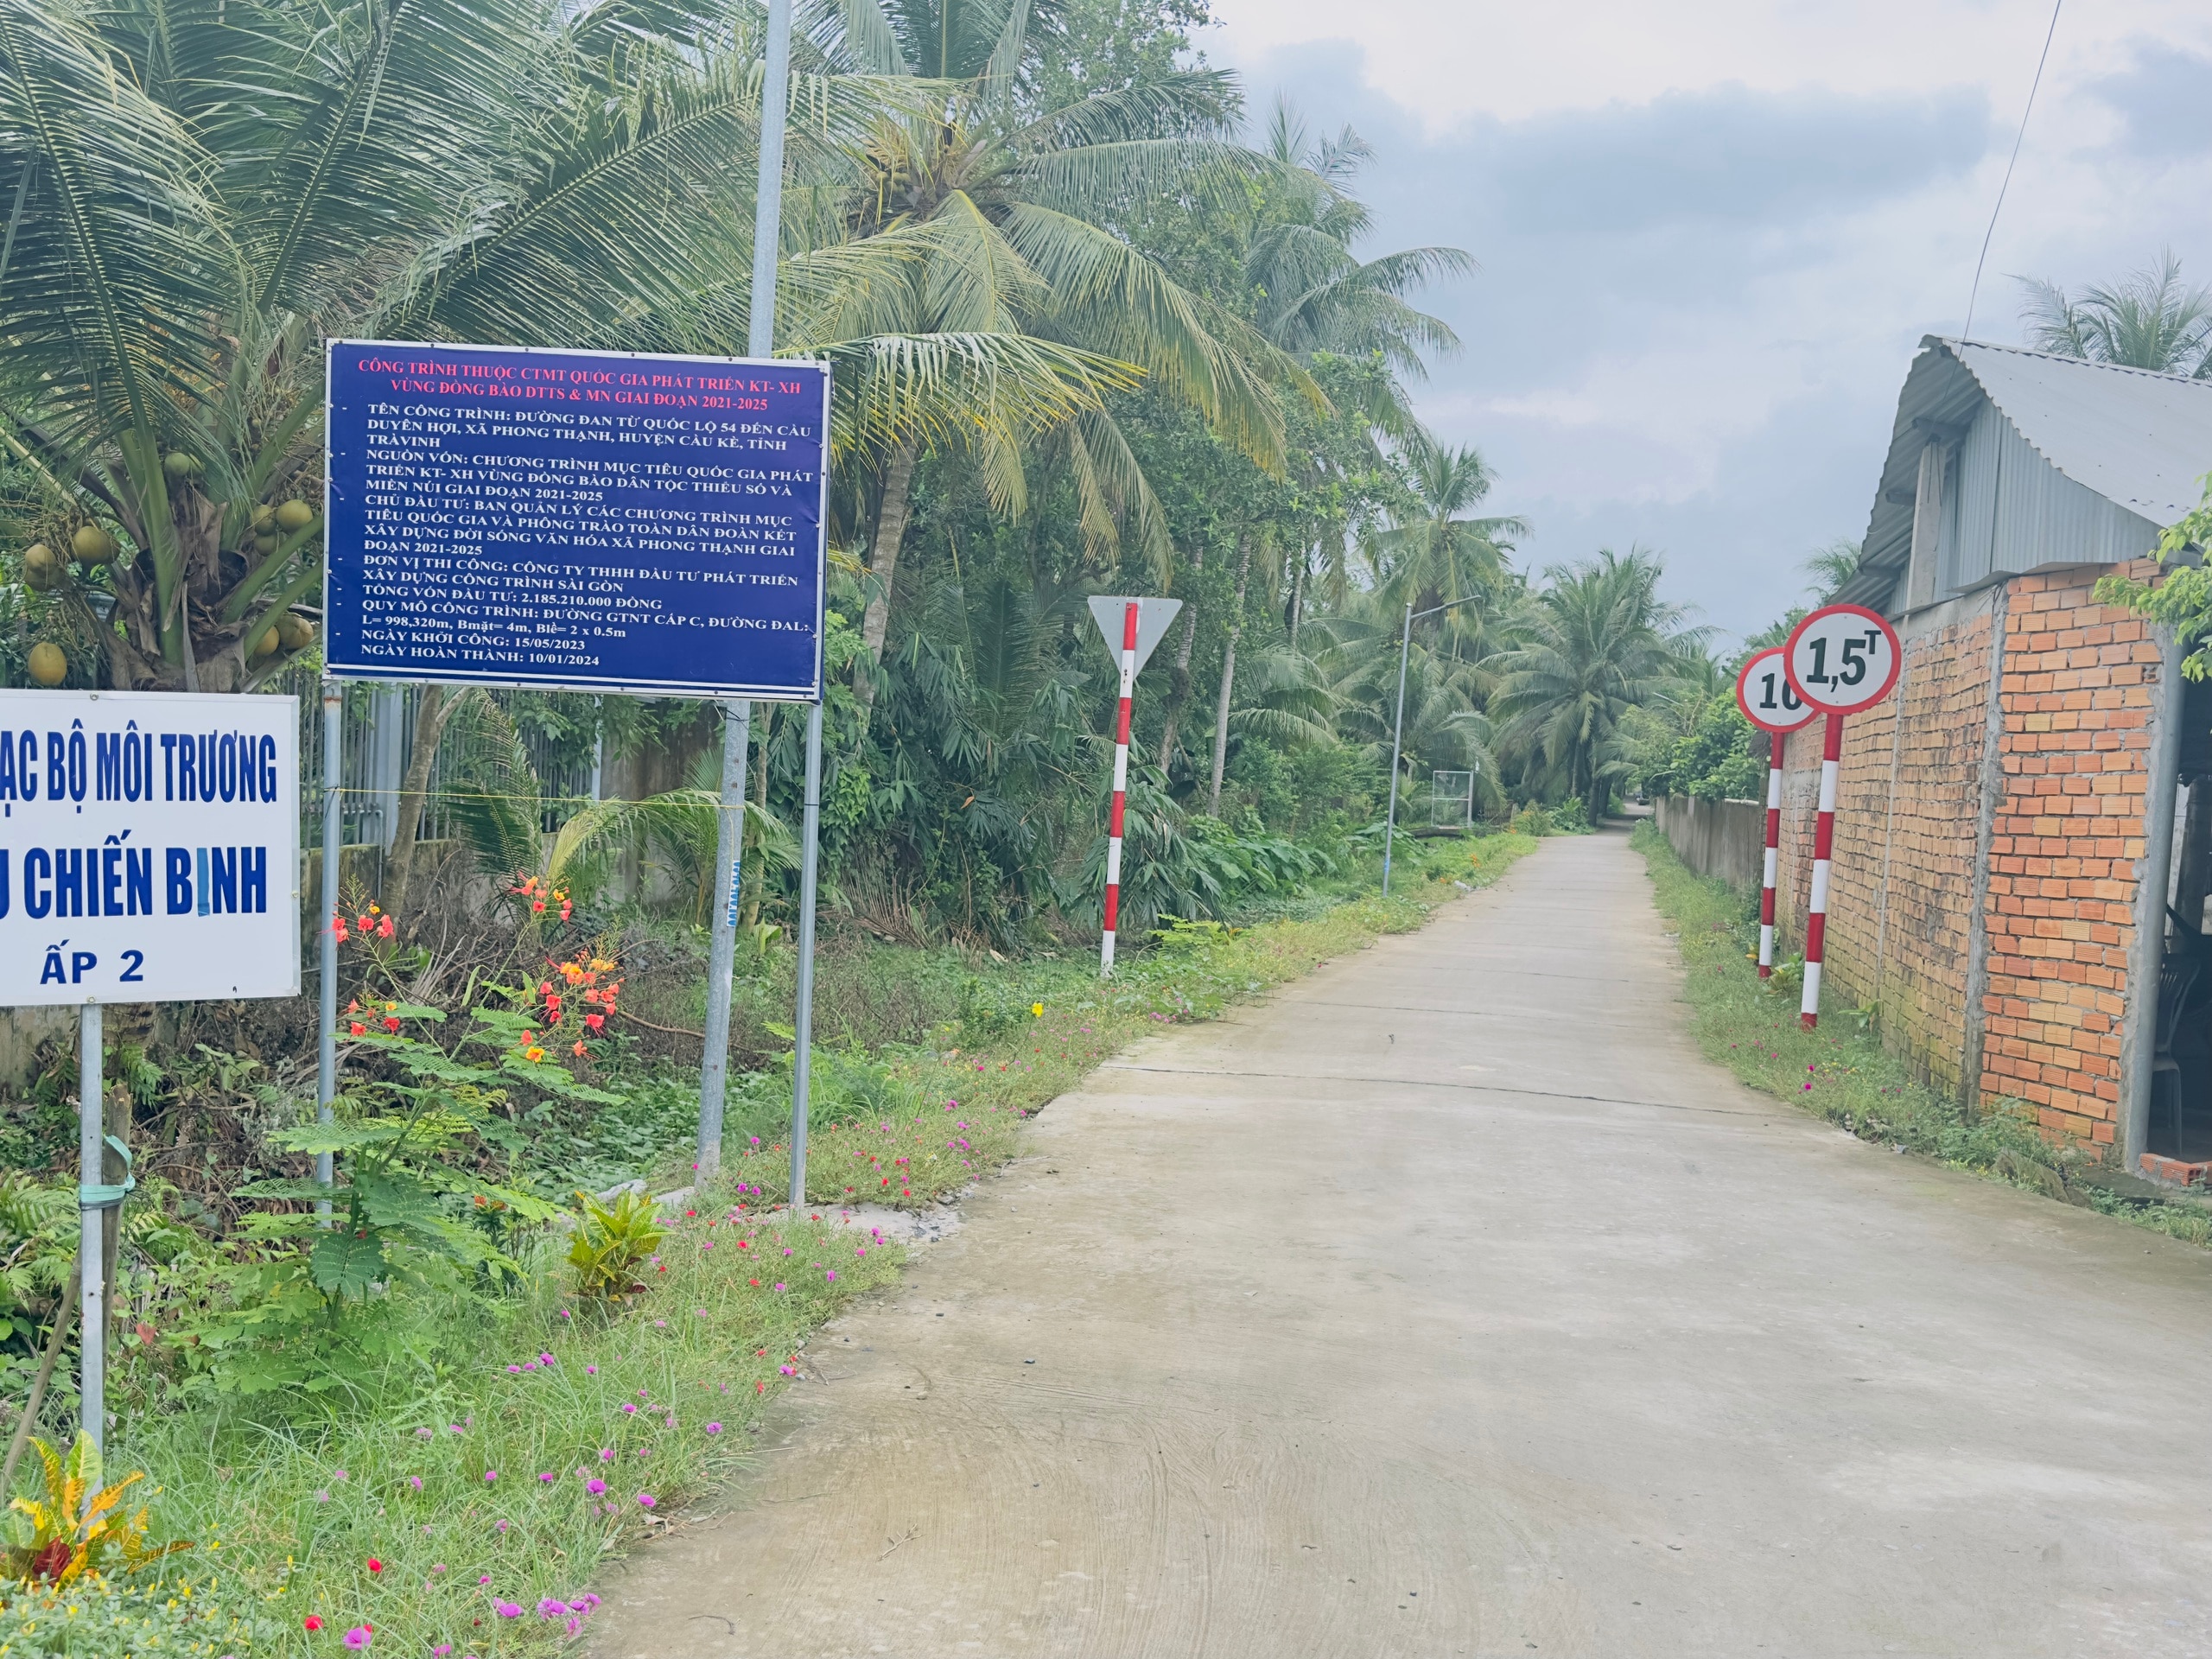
{"x":1038,"y":1010}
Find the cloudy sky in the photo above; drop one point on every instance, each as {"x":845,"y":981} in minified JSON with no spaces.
{"x":1711,"y":235}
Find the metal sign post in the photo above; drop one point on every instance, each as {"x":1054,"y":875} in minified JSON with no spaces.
{"x":149,"y":852}
{"x":1839,"y":659}
{"x":334,"y":848}
{"x":1764,"y":697}
{"x":802,"y":1014}
{"x":92,"y":1245}
{"x":721,"y":944}
{"x":1132,"y":628}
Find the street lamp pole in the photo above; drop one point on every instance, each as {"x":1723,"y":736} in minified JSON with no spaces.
{"x":1398,"y":730}
{"x":1397,"y":739}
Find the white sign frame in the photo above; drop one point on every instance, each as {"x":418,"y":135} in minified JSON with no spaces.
{"x":1779,"y":672}
{"x":197,"y":897}
{"x":1853,"y":635}
{"x":1154,"y":617}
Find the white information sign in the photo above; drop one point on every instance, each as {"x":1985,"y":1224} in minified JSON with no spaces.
{"x":1842,"y":659}
{"x":149,"y":847}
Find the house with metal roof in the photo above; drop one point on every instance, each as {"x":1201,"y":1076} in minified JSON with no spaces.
{"x":2024,"y":835}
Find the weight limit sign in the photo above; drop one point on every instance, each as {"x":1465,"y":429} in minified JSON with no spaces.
{"x":1767,"y":699}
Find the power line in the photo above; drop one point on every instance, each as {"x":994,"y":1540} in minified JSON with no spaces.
{"x":1976,"y":293}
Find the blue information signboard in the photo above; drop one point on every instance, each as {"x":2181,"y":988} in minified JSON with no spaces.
{"x":501,"y":515}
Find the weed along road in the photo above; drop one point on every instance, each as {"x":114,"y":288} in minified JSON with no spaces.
{"x":1448,"y":1303}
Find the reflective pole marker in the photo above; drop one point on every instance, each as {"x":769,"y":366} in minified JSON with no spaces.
{"x":1121,"y":790}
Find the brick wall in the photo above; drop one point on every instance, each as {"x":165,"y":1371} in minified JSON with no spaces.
{"x":2080,"y":690}
{"x":1910,"y":798}
{"x":2076,"y":699}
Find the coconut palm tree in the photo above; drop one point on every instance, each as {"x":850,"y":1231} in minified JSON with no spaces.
{"x":1598,"y":641}
{"x":1437,"y":550}
{"x":1830,"y":567}
{"x":2148,"y":321}
{"x":1444,"y":722}
{"x":1313,"y":293}
{"x":198,"y":195}
{"x":979,"y":212}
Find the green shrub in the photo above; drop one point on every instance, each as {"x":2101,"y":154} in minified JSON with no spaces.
{"x":106,"y":1618}
{"x":1533,"y":820}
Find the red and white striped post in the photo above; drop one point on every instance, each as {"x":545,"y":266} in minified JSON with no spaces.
{"x":1816,"y":920}
{"x":1773,"y":857}
{"x":1121,"y":790}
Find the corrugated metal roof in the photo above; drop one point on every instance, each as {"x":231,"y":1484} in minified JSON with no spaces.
{"x":2139,"y":440}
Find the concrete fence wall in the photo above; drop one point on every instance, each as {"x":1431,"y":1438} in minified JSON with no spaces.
{"x":1717,"y":838}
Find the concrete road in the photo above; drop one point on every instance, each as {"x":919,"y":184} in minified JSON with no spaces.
{"x":1448,"y":1303}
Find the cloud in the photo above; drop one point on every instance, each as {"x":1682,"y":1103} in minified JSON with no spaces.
{"x":1729,"y":155}
{"x":1702,"y":280}
{"x":2162,"y":102}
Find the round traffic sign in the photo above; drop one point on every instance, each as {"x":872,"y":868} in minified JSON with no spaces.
{"x":1842,"y":659}
{"x":1765,"y":695}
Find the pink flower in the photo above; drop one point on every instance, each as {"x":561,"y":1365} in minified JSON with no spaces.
{"x":416,"y":1481}
{"x":491,"y":1475}
{"x":360,"y":1637}
{"x":546,"y":1359}
{"x":596,"y":1488}
{"x":646,"y":1500}
{"x":628,"y":1409}
{"x":549,"y":1608}
{"x":507,"y":1609}
{"x":607,"y":1454}
{"x":549,"y":1479}
{"x":591,"y":1370}
{"x":713,"y":1428}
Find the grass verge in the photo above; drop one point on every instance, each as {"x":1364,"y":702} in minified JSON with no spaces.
{"x":1843,"y":1075}
{"x":451,"y":1509}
